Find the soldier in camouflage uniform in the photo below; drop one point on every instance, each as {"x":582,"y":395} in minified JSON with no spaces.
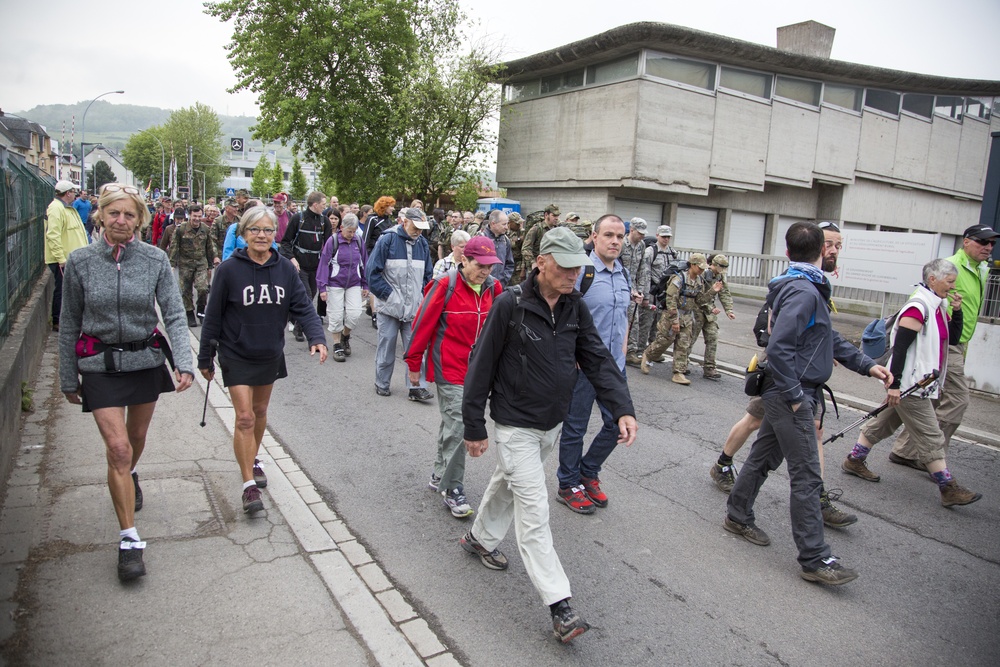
{"x":633,"y":258}
{"x":659,"y":255}
{"x":678,"y":316}
{"x":582,"y":228}
{"x":707,"y":312}
{"x":516,"y":234}
{"x":452,"y":221}
{"x":193,"y":251}
{"x":533,"y":237}
{"x":220,"y":225}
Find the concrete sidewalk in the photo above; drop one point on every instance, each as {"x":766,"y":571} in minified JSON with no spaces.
{"x":288,"y":584}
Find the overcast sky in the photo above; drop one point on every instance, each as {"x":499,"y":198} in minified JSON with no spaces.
{"x":169,"y":54}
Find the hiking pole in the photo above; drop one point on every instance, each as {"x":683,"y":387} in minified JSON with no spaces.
{"x":212,"y":344}
{"x":923,"y":383}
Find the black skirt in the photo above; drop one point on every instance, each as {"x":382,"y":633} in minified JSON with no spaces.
{"x":116,"y":390}
{"x":238,"y":371}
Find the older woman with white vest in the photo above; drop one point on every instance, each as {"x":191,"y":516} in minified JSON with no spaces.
{"x":919,"y":341}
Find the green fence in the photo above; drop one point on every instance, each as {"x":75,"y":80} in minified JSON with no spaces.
{"x":24,"y":195}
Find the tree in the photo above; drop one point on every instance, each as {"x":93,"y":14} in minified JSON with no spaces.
{"x":299,"y":186}
{"x":277,"y":180}
{"x":294,"y":54}
{"x":142,"y":156}
{"x":103,"y":175}
{"x":261,"y":175}
{"x":467,"y":194}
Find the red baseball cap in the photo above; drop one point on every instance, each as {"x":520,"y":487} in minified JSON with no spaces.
{"x":482,"y":250}
{"x":279,"y":197}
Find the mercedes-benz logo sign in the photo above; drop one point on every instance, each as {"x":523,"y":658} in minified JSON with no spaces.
{"x":236,"y":144}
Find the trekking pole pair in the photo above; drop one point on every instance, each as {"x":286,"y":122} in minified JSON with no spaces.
{"x":922,"y":384}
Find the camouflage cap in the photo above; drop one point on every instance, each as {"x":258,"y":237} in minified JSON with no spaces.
{"x":552,"y":208}
{"x":514,"y":217}
{"x":721,"y":261}
{"x":664,"y":230}
{"x":638,"y":224}
{"x":698,"y":259}
{"x":571,"y":216}
{"x":231,"y":202}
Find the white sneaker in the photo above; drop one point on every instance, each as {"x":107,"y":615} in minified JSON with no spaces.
{"x":456,"y":502}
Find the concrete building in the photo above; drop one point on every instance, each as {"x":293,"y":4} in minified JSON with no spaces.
{"x":29,"y":140}
{"x":731,"y":142}
{"x":113,"y":160}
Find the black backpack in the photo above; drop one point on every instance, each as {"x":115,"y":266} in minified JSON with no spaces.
{"x":658,"y":291}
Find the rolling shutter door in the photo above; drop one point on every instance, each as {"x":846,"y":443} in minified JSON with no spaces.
{"x":695,"y":228}
{"x":651,"y":212}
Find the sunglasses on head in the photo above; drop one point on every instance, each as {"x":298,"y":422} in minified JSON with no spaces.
{"x":115,"y":187}
{"x":832,"y":226}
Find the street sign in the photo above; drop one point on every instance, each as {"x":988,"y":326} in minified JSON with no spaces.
{"x":236,"y":143}
{"x":230,"y":192}
{"x":182,"y":191}
{"x":883,"y":261}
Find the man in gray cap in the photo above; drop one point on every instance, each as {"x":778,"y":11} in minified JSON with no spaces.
{"x":552,"y":334}
{"x":64,"y":233}
{"x":633,"y":258}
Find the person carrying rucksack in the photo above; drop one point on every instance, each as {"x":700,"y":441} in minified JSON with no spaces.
{"x":342,"y":284}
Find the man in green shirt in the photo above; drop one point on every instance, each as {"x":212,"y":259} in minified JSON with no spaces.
{"x":64,"y":233}
{"x":950,"y":406}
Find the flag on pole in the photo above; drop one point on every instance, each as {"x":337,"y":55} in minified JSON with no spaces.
{"x":149,"y":185}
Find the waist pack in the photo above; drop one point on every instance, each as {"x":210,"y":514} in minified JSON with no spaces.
{"x":91,"y":346}
{"x":756,"y":374}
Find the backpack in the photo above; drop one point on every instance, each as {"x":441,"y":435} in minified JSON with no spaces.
{"x":658,"y":292}
{"x":453,"y":283}
{"x":875,"y":338}
{"x":336,"y":247}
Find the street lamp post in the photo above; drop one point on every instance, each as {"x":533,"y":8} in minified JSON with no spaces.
{"x":199,"y":171}
{"x":163,"y":162}
{"x":83,"y":137}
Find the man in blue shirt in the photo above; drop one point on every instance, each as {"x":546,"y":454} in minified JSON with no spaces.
{"x":82,"y":206}
{"x":608,"y":298}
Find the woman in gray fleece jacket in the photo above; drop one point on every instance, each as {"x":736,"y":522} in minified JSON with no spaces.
{"x":111,"y":354}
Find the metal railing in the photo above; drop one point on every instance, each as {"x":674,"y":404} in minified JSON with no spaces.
{"x":991,"y":299}
{"x":24,"y":194}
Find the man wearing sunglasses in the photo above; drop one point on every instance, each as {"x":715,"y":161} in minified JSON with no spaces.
{"x":977,"y":245}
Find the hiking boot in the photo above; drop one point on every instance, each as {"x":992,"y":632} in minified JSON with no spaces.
{"x":831,"y":573}
{"x":903,"y":461}
{"x":634,"y":360}
{"x":592,"y":487}
{"x":644,"y":364}
{"x":748,"y":531}
{"x":833,"y":516}
{"x":575,"y":499}
{"x":382,"y":392}
{"x":494,"y":560}
{"x":679,"y":378}
{"x":434,"y":482}
{"x":723,"y":476}
{"x":338,"y":352}
{"x":297,"y":332}
{"x":138,"y":491}
{"x":420,"y":395}
{"x":456,"y":502}
{"x":130,"y":565}
{"x":259,"y":478}
{"x":713,"y":375}
{"x":953,"y":494}
{"x":192,"y":320}
{"x":252,"y":502}
{"x":567,"y":624}
{"x":859,"y":468}
{"x":345,"y":342}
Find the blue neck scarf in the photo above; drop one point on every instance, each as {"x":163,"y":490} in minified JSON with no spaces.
{"x":809,"y":271}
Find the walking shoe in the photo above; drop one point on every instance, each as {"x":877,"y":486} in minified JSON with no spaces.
{"x":434,"y":483}
{"x":374,"y":321}
{"x":713,"y":375}
{"x":632,"y":359}
{"x":723,"y":476}
{"x":130,"y":565}
{"x":592,"y":487}
{"x":953,"y":494}
{"x":748,"y":531}
{"x":138,"y":491}
{"x":679,"y":378}
{"x":644,"y":364}
{"x":567,"y":624}
{"x":297,"y":331}
{"x":252,"y":502}
{"x":456,"y":502}
{"x":903,"y":461}
{"x":338,"y":352}
{"x":382,"y":392}
{"x":345,"y":342}
{"x":831,"y":573}
{"x":859,"y":468}
{"x":575,"y":499}
{"x":494,"y":560}
{"x":420,"y":395}
{"x":833,"y":516}
{"x":258,"y":475}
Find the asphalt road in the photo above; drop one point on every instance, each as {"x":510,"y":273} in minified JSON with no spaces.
{"x":655,"y":574}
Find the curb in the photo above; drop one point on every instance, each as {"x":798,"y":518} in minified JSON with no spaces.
{"x":391,"y":630}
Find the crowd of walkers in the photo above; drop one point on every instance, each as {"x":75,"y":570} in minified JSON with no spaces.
{"x":537,"y":316}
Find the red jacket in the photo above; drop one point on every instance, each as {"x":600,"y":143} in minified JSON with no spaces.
{"x":449,"y":338}
{"x":158,"y":226}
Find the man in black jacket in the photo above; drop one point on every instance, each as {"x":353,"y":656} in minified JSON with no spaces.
{"x":526,"y":363}
{"x":302,"y":243}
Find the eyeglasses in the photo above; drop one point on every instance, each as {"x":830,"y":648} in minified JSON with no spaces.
{"x":114,"y":187}
{"x":256,"y":231}
{"x":985,"y":242}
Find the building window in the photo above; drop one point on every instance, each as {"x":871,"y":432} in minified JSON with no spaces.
{"x":882,"y":100}
{"x":949,"y":106}
{"x":560,"y":82}
{"x":248,"y":173}
{"x":524,"y":90}
{"x":743,"y":81}
{"x":919,"y":105}
{"x":681,"y":70}
{"x":798,"y":90}
{"x":978,"y":107}
{"x":616,"y":70}
{"x":846,"y":97}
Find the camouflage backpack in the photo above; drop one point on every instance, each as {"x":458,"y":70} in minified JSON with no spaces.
{"x":531,"y":220}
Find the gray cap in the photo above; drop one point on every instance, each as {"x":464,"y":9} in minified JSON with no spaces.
{"x":418,"y":218}
{"x":565,"y":247}
{"x":664,"y":230}
{"x":638,"y":224}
